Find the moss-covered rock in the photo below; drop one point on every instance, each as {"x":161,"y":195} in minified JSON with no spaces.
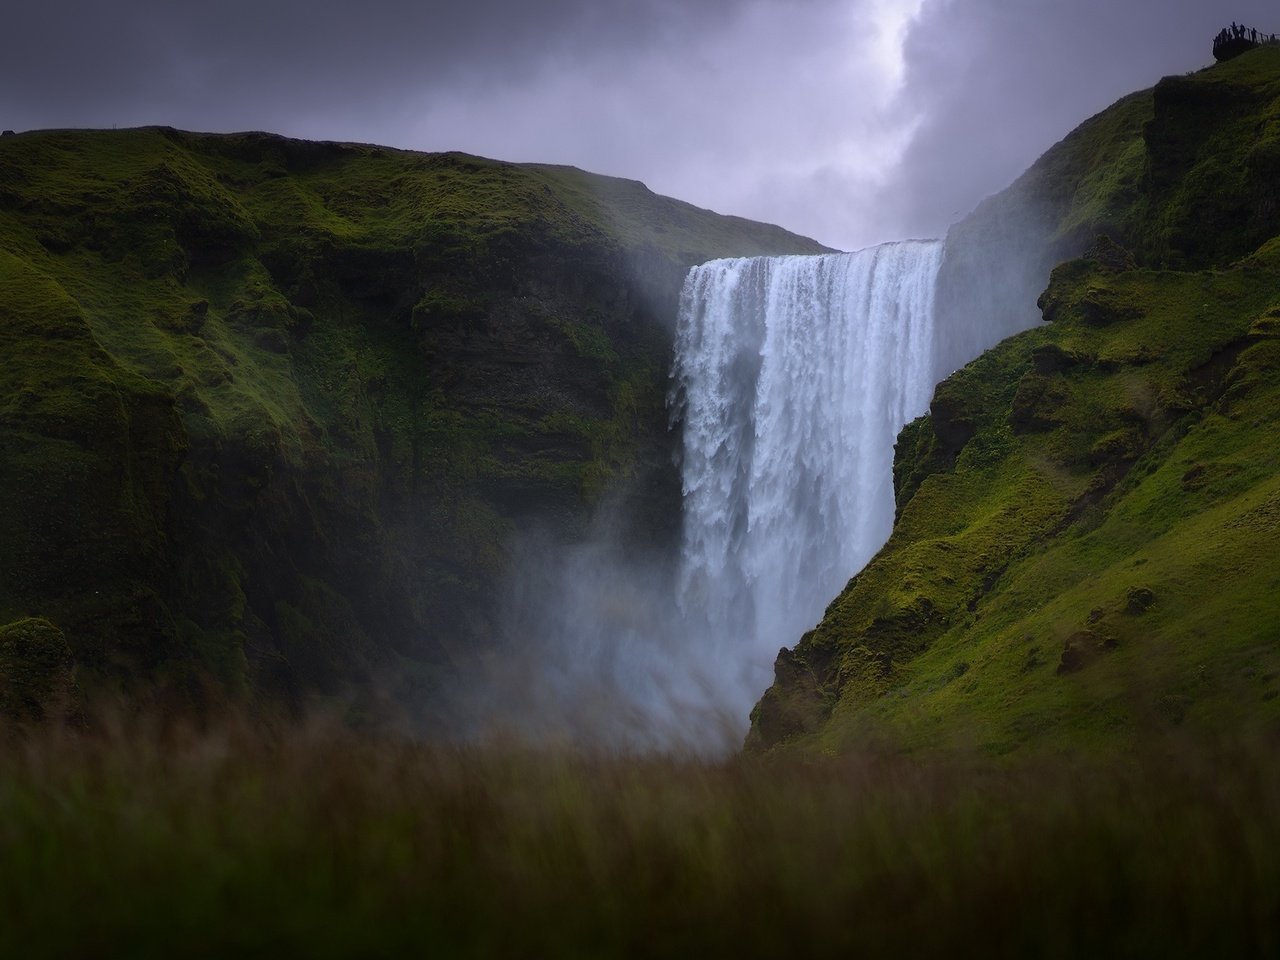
{"x":37,"y":676}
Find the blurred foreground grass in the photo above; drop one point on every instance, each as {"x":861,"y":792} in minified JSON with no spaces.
{"x":136,"y":839}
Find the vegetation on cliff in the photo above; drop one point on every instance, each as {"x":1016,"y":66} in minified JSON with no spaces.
{"x":270,"y":409}
{"x":1086,"y":546}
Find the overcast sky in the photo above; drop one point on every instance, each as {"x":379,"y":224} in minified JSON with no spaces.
{"x":852,"y":121}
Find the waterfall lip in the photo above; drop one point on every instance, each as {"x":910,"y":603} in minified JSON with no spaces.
{"x":831,"y":255}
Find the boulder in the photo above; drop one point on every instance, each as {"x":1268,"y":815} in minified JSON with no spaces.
{"x":1139,"y":600}
{"x":36,"y":670}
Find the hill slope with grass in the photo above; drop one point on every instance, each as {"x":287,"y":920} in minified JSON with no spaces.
{"x":1089,"y":519}
{"x":270,"y":409}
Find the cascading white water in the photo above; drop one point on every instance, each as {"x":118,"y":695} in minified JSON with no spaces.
{"x":793,"y":376}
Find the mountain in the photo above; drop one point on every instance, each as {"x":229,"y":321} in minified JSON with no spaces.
{"x":270,"y":410}
{"x":1088,"y":526}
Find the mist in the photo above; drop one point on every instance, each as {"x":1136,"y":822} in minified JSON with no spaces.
{"x":791,"y":378}
{"x":597,"y":652}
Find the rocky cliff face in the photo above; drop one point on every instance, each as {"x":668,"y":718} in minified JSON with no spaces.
{"x":1085,"y":549}
{"x":271,"y":409}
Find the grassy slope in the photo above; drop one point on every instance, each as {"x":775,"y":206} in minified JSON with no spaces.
{"x":1087,"y":542}
{"x":271,"y":408}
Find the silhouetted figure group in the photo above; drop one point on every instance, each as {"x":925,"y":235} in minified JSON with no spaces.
{"x":1237,"y":38}
{"x":1238,"y":32}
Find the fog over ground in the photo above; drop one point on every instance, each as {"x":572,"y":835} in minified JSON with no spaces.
{"x":852,"y":121}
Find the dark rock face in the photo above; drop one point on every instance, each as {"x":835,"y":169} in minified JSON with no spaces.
{"x":1139,"y":600}
{"x":1037,"y":403}
{"x":1050,"y":358}
{"x":1231,"y":47}
{"x":1081,"y":649}
{"x":798,"y":702}
{"x":36,"y":671}
{"x":1211,"y":179}
{"x":1110,"y":254}
{"x":954,"y":420}
{"x":1074,"y":657}
{"x":1100,"y":307}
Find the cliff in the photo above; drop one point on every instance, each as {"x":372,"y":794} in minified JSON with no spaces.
{"x":270,"y":410}
{"x":1086,"y":543}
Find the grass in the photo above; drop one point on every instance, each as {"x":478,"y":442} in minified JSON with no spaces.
{"x":263,"y":838}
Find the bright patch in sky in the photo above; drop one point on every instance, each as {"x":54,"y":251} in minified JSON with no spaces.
{"x":758,"y":117}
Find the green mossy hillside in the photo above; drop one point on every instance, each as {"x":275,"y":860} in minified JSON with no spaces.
{"x":270,"y":410}
{"x":1087,"y":537}
{"x":1097,"y":560}
{"x":1182,"y":176}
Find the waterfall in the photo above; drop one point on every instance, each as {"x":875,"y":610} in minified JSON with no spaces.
{"x":792,"y":377}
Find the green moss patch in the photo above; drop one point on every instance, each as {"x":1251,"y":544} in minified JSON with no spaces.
{"x":1101,"y":546}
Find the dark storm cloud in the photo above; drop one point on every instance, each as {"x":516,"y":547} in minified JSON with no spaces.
{"x":850,"y":120}
{"x":80,"y":63}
